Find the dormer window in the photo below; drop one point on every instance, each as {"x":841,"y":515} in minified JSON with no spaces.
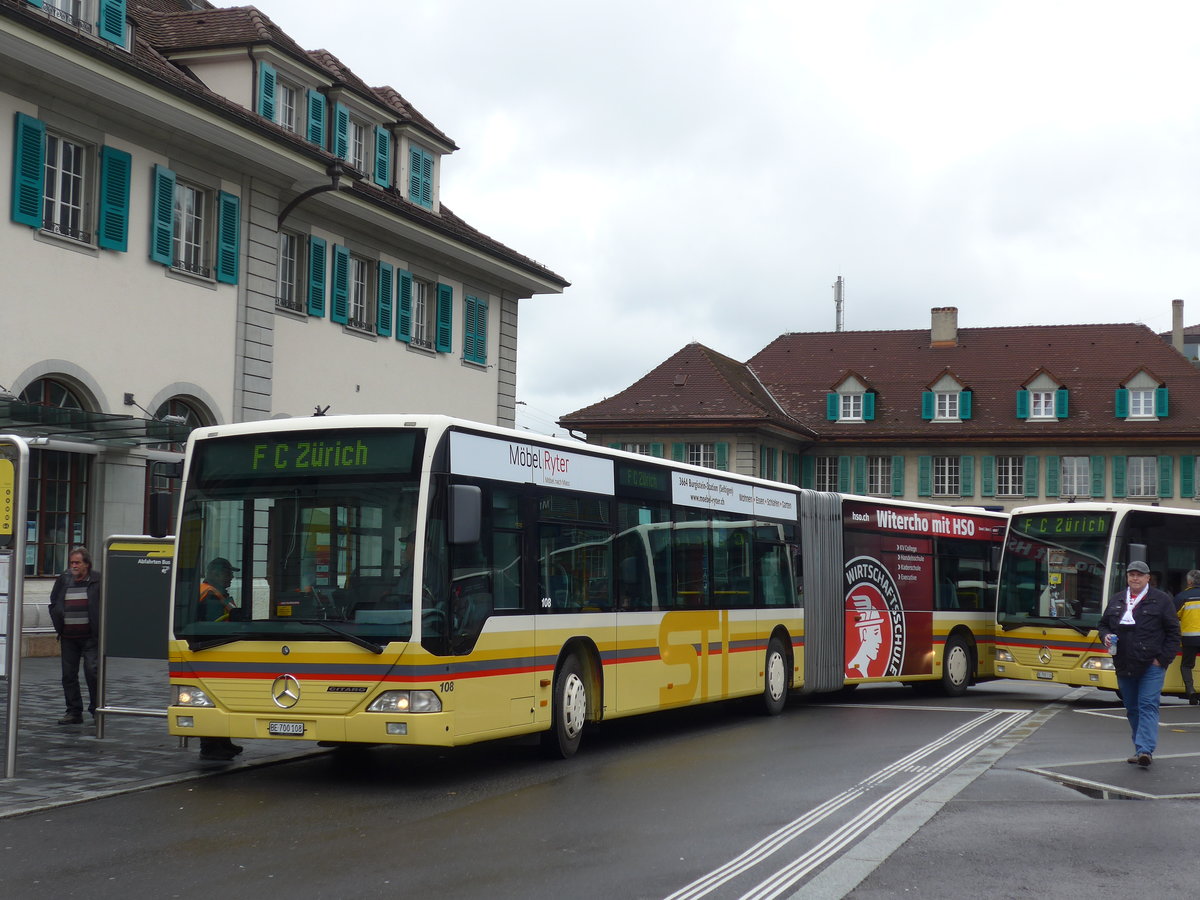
{"x":1141,"y":397}
{"x":420,"y":176}
{"x":1042,"y":399}
{"x":946,"y":400}
{"x":105,"y":17}
{"x":851,"y":400}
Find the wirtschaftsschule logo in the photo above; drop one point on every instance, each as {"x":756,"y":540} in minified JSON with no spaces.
{"x":874,"y":620}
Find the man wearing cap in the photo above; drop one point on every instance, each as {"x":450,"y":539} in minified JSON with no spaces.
{"x":1143,"y":622}
{"x":217,"y":606}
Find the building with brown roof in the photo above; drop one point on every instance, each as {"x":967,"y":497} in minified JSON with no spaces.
{"x":208,"y":223}
{"x":988,"y":416}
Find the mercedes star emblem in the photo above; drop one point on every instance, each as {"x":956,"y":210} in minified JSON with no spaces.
{"x":1044,"y":657}
{"x":285,"y":691}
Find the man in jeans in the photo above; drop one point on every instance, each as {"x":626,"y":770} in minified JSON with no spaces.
{"x":75,"y":612}
{"x":1143,"y":621}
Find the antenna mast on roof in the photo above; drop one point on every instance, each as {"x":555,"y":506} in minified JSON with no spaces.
{"x":838,"y":287}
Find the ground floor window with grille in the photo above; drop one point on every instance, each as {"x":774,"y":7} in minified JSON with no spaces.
{"x":1141,"y":476}
{"x":1076,"y":477}
{"x":879,"y":475}
{"x":946,"y":476}
{"x":826,"y":473}
{"x":701,"y":455}
{"x":1010,"y":476}
{"x":643,"y":449}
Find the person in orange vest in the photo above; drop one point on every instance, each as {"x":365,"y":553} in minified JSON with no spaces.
{"x":1187,"y":606}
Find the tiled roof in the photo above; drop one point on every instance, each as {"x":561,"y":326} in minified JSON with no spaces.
{"x":696,"y":386}
{"x":1091,"y":361}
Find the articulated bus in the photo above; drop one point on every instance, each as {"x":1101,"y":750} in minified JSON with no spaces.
{"x":428,"y":581}
{"x":1061,"y":564}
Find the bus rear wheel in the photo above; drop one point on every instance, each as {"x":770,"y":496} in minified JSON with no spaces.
{"x":956,"y":667}
{"x":775,"y":678}
{"x":569,"y":711}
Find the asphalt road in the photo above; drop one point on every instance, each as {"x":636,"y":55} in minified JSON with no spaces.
{"x":884,"y":792}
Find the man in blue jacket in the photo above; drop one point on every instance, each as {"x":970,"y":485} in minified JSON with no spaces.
{"x":1142,"y":620}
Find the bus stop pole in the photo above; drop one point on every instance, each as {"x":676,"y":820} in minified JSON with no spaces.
{"x":14,"y":452}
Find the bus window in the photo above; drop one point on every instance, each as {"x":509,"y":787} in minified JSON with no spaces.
{"x":573,"y":568}
{"x":774,"y":581}
{"x":733,"y":568}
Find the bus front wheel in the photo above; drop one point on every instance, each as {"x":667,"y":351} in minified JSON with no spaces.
{"x":569,"y":711}
{"x":775,"y":678}
{"x":956,"y":667}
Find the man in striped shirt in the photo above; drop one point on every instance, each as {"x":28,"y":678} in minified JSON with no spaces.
{"x":75,"y":612}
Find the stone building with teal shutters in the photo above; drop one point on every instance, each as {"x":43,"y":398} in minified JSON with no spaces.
{"x":207,"y":223}
{"x":998,"y":417}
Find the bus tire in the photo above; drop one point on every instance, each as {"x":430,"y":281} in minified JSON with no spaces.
{"x":956,"y":667}
{"x":775,"y":678}
{"x":569,"y":711}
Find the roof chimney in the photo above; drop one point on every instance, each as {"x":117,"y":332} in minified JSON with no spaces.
{"x":945,"y":327}
{"x":1177,"y":325}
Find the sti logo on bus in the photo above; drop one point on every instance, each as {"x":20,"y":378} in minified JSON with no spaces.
{"x":874,"y":620}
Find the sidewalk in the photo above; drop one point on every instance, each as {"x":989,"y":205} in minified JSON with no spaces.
{"x":61,"y":764}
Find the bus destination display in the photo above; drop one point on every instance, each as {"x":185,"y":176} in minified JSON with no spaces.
{"x":1064,"y":524}
{"x":307,"y":454}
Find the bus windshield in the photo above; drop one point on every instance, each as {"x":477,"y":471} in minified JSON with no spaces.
{"x":1054,"y":568}
{"x":299,"y":536}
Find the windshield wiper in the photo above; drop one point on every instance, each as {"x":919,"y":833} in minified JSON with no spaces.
{"x":352,"y":638}
{"x":1010,"y":624}
{"x":197,"y":644}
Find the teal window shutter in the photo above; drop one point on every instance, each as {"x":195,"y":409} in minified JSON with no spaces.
{"x":316,"y":118}
{"x":966,"y":476}
{"x":29,"y":170}
{"x":964,"y":405}
{"x":678,"y":451}
{"x":1118,"y":467}
{"x":1061,"y":404}
{"x":383,"y":299}
{"x":844,"y":474}
{"x":228,"y":229}
{"x":420,"y":177}
{"x":1022,"y":404}
{"x":1097,"y":476}
{"x":897,"y":476}
{"x":721,"y":452}
{"x":869,"y":406}
{"x":615,"y":445}
{"x":1053,"y":471}
{"x":927,"y":402}
{"x":37,"y":3}
{"x":162,"y":216}
{"x":266,"y":91}
{"x":1166,"y":476}
{"x":808,"y":471}
{"x":656,"y":450}
{"x":987,"y":476}
{"x":316,"y":276}
{"x":341,"y":131}
{"x":1161,"y":404}
{"x":1121,"y":403}
{"x":339,"y":292}
{"x":762,"y":462}
{"x":110,"y":21}
{"x":383,"y":156}
{"x":1187,"y":476}
{"x":924,"y":476}
{"x":832,"y":406}
{"x":404,"y":289}
{"x":445,"y":319}
{"x":860,"y":474}
{"x":475,"y":314}
{"x":1031,"y":476}
{"x":116,"y":170}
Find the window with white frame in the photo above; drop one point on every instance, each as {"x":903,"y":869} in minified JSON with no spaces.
{"x":1010,"y":476}
{"x":641,"y":449}
{"x":65,"y":185}
{"x":946,"y":405}
{"x":1141,"y":476}
{"x":851,"y":407}
{"x":190,"y":234}
{"x":1076,"y":480}
{"x":359,"y":310}
{"x":826,"y":472}
{"x":946,"y":474}
{"x":286,"y":95}
{"x":700,"y":455}
{"x":358,"y":145}
{"x":1141,"y":403}
{"x":72,"y":12}
{"x":422,"y":313}
{"x":879,"y":475}
{"x":1041,"y":405}
{"x":289,"y":268}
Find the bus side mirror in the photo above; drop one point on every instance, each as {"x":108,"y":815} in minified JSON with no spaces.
{"x":160,"y":514}
{"x":466,"y":510}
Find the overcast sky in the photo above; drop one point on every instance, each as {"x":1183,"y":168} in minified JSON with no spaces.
{"x":703,"y":171}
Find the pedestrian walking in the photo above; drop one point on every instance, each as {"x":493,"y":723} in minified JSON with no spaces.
{"x":75,"y":612}
{"x":1187,"y":606}
{"x":1143,"y":622}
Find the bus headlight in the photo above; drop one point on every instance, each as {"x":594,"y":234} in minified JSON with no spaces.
{"x":1099,"y":662}
{"x":1003,"y":655}
{"x":406,"y":702}
{"x":190,"y":696}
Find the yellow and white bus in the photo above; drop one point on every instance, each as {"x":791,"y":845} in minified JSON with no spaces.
{"x":425,"y":580}
{"x":1061,"y":564}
